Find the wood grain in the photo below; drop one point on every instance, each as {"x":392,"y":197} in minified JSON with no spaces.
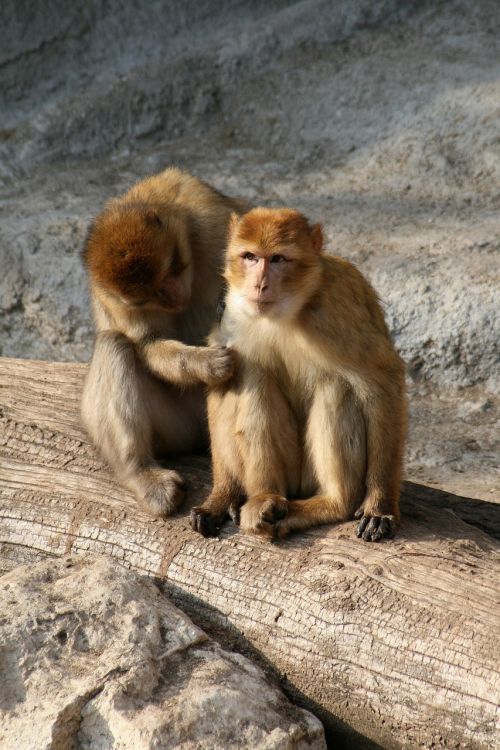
{"x":395,"y":644}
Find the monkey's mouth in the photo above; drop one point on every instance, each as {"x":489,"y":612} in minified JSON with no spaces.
{"x":260,"y":301}
{"x":261,"y":305}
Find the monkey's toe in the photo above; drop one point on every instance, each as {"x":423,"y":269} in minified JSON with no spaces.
{"x":274,"y":509}
{"x":204,"y":522}
{"x":375,"y":528}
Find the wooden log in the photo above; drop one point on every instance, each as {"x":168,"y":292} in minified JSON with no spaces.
{"x":394,"y":644}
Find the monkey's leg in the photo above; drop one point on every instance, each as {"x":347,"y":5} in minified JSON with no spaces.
{"x":226,"y":462}
{"x":337,"y":450}
{"x":385,"y":416}
{"x":116,"y":410}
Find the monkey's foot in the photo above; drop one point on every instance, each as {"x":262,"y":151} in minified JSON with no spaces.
{"x":164,"y":492}
{"x":262,"y":514}
{"x":204,"y":521}
{"x":375,"y":528}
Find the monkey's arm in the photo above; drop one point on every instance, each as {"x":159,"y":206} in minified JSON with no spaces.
{"x":376,"y":375}
{"x":222,"y":410}
{"x":181,"y":364}
{"x":385,"y":411}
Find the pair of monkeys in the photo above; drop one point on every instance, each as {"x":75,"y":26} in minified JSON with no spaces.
{"x":306,"y":398}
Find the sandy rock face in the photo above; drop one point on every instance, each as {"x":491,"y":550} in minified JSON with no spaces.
{"x":95,"y":657}
{"x":376,"y":117}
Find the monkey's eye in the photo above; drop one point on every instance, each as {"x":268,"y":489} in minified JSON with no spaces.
{"x":248,"y":256}
{"x":278,"y":259}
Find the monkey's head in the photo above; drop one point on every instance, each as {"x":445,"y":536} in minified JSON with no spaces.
{"x":273,"y":262}
{"x":141,"y":256}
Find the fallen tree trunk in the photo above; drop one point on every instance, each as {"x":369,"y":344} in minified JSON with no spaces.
{"x":397,"y":642}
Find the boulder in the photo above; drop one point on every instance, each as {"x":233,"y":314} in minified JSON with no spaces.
{"x":96,"y":657}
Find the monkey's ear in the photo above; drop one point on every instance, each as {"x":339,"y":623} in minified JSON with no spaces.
{"x":86,"y":245}
{"x":233,"y":223}
{"x":317,"y":238}
{"x":152,"y":218}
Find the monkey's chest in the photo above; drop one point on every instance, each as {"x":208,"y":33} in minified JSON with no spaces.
{"x":291,"y":369}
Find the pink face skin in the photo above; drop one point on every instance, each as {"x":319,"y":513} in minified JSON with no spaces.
{"x":264,"y":276}
{"x":270,"y":276}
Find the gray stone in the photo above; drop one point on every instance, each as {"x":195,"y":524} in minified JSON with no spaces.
{"x":94,"y":656}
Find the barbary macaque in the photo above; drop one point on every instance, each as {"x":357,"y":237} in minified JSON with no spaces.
{"x":311,"y":427}
{"x":154,"y":258}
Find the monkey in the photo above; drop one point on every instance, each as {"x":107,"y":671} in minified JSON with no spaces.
{"x":311,"y":427}
{"x":154,"y":258}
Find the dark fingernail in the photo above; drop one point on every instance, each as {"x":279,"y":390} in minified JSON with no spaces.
{"x":370,"y":530}
{"x":362,"y":525}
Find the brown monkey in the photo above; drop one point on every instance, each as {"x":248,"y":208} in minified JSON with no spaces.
{"x":154,"y":258}
{"x":317,"y":407}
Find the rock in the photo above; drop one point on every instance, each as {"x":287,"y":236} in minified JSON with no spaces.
{"x":94,"y":656}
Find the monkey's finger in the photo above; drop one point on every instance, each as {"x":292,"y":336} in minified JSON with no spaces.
{"x":387,"y":528}
{"x":234,"y":513}
{"x":382,"y":530}
{"x":392,"y":526}
{"x":370,"y":529}
{"x":193,"y":519}
{"x":362,"y":525}
{"x":359,"y":513}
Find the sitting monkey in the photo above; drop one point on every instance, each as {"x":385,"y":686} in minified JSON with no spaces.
{"x":154,"y":260}
{"x":317,"y":407}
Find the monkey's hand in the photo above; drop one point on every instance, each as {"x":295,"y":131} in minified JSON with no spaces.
{"x":217,"y":365}
{"x":374,"y":528}
{"x":205,"y":522}
{"x":264,"y":514}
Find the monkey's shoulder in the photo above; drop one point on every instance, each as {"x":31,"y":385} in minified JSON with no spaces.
{"x":348,"y":299}
{"x":341,"y":274}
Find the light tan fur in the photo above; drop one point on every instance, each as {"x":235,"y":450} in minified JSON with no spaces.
{"x":154,"y":258}
{"x":317,"y":408}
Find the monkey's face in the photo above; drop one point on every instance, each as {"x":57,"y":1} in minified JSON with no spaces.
{"x":141,"y":258}
{"x":273,"y":264}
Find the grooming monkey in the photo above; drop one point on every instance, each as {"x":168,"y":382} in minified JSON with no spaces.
{"x":317,"y":406}
{"x":154,"y":260}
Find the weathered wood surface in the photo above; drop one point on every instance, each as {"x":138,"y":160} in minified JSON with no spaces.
{"x":398,"y":642}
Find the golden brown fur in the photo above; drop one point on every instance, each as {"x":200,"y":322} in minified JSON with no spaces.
{"x":153,"y":257}
{"x":317,"y":409}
